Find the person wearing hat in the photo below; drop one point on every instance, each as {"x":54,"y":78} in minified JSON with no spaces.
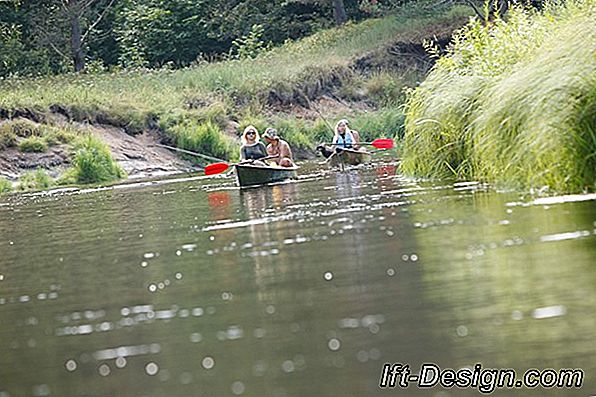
{"x":252,"y":148}
{"x":278,"y":147}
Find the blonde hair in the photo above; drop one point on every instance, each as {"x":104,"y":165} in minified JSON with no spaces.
{"x":345,"y":122}
{"x":247,"y":129}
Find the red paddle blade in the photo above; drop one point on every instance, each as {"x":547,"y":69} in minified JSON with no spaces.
{"x":216,"y":168}
{"x":383,"y":143}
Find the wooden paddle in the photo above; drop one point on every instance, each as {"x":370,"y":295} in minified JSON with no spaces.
{"x":381,"y":143}
{"x":218,"y":168}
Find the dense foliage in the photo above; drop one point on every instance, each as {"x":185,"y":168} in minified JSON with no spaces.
{"x":513,"y":101}
{"x":42,"y":37}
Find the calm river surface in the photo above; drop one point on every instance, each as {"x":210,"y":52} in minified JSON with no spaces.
{"x":195,"y":288}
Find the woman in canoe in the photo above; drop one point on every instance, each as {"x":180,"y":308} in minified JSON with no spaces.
{"x":279,"y":148}
{"x":344,"y":137}
{"x":252,"y":148}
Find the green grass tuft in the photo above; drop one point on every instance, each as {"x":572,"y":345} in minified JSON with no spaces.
{"x":204,"y":138}
{"x":92,"y":163}
{"x":35,"y":180}
{"x":7,"y":137}
{"x":5,"y":186}
{"x":22,"y":128}
{"x":33,"y":144}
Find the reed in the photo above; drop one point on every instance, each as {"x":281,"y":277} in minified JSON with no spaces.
{"x":513,"y":102}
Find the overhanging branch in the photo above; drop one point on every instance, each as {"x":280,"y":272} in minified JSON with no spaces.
{"x":94,"y":24}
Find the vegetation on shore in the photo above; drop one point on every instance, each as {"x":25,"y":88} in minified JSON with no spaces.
{"x":92,"y":163}
{"x":513,"y":102}
{"x":5,"y":185}
{"x":203,"y":108}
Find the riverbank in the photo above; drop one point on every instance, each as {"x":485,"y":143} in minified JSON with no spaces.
{"x":512,"y":103}
{"x":357,"y":71}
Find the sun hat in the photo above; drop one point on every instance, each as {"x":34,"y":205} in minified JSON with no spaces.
{"x":271,"y":133}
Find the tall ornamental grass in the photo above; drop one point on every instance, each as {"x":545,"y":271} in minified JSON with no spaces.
{"x":92,"y":163}
{"x":512,"y":102}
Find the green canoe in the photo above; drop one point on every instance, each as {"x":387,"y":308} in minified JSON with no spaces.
{"x":251,"y":175}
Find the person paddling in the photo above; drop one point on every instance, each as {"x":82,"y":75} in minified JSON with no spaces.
{"x":278,"y":147}
{"x":345,"y":138}
{"x":252,"y":148}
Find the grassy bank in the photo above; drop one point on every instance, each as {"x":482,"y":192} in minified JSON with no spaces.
{"x":513,"y":102}
{"x":195,"y":107}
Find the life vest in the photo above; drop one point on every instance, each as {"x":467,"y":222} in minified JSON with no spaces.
{"x":346,"y":141}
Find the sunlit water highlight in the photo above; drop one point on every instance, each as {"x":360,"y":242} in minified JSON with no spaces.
{"x":192,"y":287}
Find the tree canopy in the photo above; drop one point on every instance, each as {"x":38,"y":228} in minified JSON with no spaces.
{"x":41,"y":37}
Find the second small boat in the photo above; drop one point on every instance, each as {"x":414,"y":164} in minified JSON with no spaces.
{"x":348,"y":157}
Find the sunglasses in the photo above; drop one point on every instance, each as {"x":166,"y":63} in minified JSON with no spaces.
{"x":251,"y":133}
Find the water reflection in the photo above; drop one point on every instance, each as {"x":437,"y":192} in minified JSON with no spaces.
{"x":306,"y":288}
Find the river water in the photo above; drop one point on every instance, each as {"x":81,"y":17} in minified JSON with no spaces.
{"x":194,"y":288}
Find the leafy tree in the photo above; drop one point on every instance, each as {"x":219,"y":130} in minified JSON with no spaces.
{"x":66,"y":25}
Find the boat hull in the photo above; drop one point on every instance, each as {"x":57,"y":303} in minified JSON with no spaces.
{"x":348,"y":157}
{"x":253,"y":175}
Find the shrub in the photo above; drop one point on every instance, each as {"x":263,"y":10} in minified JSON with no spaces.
{"x":92,"y":163}
{"x":258,"y":121}
{"x":384,"y":123}
{"x":35,"y":180}
{"x":33,"y":144}
{"x":385,"y":88}
{"x":5,"y":186}
{"x":7,"y":137}
{"x":23,"y":128}
{"x":205,"y":138}
{"x":321,"y":132}
{"x":294,"y":132}
{"x":57,"y":136}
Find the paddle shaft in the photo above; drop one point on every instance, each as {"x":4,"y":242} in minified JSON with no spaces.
{"x":218,"y":168}
{"x":381,"y":143}
{"x":253,"y":160}
{"x":189,"y":152}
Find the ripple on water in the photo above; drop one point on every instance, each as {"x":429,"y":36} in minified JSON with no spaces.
{"x":126,"y":351}
{"x":334,"y":344}
{"x":151,"y":368}
{"x":196,"y":337}
{"x":41,"y":390}
{"x":71,"y":365}
{"x":567,"y":236}
{"x":208,"y":362}
{"x":104,"y":370}
{"x":185,"y":378}
{"x":238,"y":388}
{"x":120,"y":362}
{"x":288,"y":366}
{"x":549,"y":312}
